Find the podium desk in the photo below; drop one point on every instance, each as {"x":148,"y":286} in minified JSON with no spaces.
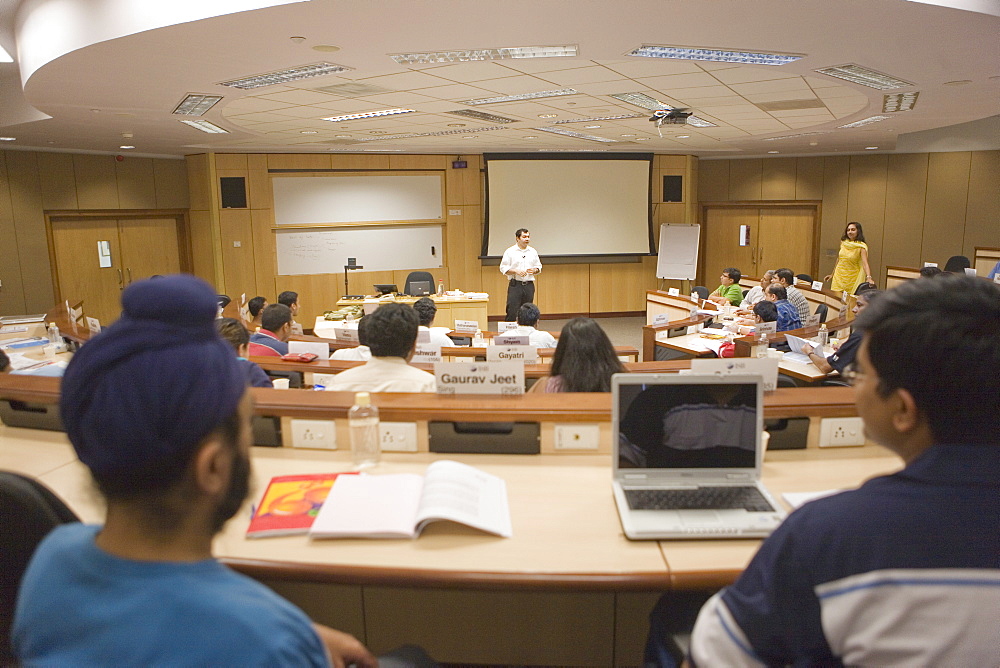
{"x":449,"y":310}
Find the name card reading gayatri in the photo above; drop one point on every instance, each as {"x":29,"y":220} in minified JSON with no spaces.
{"x":506,"y":378}
{"x":523,"y":354}
{"x":466,"y":326}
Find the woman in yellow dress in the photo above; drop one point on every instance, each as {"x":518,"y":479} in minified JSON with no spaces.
{"x":852,"y":267}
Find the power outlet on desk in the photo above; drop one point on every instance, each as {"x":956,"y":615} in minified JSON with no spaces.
{"x":839,"y":432}
{"x":398,"y":436}
{"x":314,"y":434}
{"x":577,"y":436}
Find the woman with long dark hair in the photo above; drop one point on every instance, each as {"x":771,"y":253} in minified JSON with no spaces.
{"x":852,"y":267}
{"x":584,"y":361}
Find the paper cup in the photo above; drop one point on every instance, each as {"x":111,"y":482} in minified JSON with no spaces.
{"x":280,"y":383}
{"x":49,"y":352}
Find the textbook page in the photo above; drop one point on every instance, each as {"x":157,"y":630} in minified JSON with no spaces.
{"x":370,"y":506}
{"x":464,"y":494}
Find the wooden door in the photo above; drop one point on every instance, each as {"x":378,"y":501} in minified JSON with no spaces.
{"x":785,"y":239}
{"x":148,"y":246}
{"x":77,"y":264}
{"x":722,"y":243}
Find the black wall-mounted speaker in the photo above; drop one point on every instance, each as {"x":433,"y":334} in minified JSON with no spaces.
{"x":234,"y":192}
{"x":673,"y":188}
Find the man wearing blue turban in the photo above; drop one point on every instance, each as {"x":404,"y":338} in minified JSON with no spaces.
{"x":157,"y":408}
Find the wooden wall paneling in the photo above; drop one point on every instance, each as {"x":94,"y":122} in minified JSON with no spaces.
{"x":136,"y":185}
{"x":494,"y":283}
{"x":231,"y":161}
{"x":317,"y":292}
{"x":12,"y":290}
{"x":199,"y":185}
{"x":202,"y":245}
{"x":259,"y":192}
{"x":906,"y":187}
{"x":982,"y":218}
{"x":836,"y":173}
{"x":300,"y":161}
{"x":354,"y":162}
{"x":264,"y":260}
{"x":237,"y":263}
{"x":944,"y":213}
{"x":617,"y":287}
{"x":29,"y":225}
{"x":670,"y":212}
{"x":96,"y":183}
{"x":866,"y":203}
{"x":562,"y":288}
{"x":472,"y":224}
{"x":691,"y":191}
{"x":809,"y":178}
{"x":454,"y":242}
{"x":454,"y":183}
{"x":171,"y":183}
{"x":58,"y":181}
{"x":745,"y":179}
{"x":630,"y":637}
{"x":713,"y":180}
{"x":424,"y":162}
{"x":675,"y":162}
{"x":778,"y":178}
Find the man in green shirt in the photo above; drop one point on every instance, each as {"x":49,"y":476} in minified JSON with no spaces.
{"x":729,"y":292}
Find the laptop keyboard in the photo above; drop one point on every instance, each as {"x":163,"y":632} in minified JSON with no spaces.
{"x":702,"y":498}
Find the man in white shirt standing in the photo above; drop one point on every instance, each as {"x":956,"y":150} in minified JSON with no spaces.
{"x":520,"y":264}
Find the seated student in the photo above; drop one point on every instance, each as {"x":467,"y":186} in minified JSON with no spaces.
{"x":254,"y":308}
{"x":275,"y":328}
{"x":171,"y":457}
{"x":527,"y":318}
{"x":361,"y":353}
{"x":584,"y":361}
{"x":788,"y":317}
{"x":426,"y":310}
{"x":392,"y":336}
{"x":848,"y":350}
{"x":994,"y":271}
{"x":729,"y":292}
{"x":291,"y":300}
{"x":756,"y":293}
{"x":905,"y":570}
{"x":786,"y":279}
{"x":929,"y":272}
{"x":236,"y":335}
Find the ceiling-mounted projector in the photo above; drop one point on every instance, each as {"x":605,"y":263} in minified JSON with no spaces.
{"x":669,"y":117}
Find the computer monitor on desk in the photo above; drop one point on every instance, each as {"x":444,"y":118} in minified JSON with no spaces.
{"x":385,"y":288}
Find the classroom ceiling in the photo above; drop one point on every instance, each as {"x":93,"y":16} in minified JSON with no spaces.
{"x":94,"y":75}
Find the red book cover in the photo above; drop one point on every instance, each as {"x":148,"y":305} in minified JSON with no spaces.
{"x":290,"y":504}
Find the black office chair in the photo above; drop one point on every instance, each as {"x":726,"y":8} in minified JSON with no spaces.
{"x":745,"y":293}
{"x":415,"y":276}
{"x":822,"y":310}
{"x":223,"y":300}
{"x":701,"y":290}
{"x":957,"y":264}
{"x":28,"y":512}
{"x":804,"y":277}
{"x":863,"y":287}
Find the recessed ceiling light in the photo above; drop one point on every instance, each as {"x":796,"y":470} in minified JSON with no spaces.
{"x":308,"y":132}
{"x":591,"y":127}
{"x":8,"y":138}
{"x":641,"y":100}
{"x":456,"y":125}
{"x":864,"y":76}
{"x":894,"y":102}
{"x":126,"y":147}
{"x":772,"y":151}
{"x":326,"y":48}
{"x":641,"y":138}
{"x":530,"y":137}
{"x":628,"y":135}
{"x":342,"y":136}
{"x":700,"y":122}
{"x":502,"y":53}
{"x":960,"y":82}
{"x":617,"y":117}
{"x":205,"y":126}
{"x":799,"y":134}
{"x":864,"y":121}
{"x":814,"y":143}
{"x":547,"y":115}
{"x":683,"y":136}
{"x":577,"y":135}
{"x":468,"y":137}
{"x":95,"y":111}
{"x":522,"y":96}
{"x":481,"y":116}
{"x":284,"y":76}
{"x":714,"y":55}
{"x":196,"y":104}
{"x":368,"y":114}
{"x":870,"y":148}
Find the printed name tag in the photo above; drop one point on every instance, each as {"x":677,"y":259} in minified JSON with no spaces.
{"x":510,"y":340}
{"x":674,"y":292}
{"x":506,"y":326}
{"x":661,"y":319}
{"x":766,"y":368}
{"x":817,"y":285}
{"x":770,"y":327}
{"x":319,"y":349}
{"x":94,"y":325}
{"x":466,"y":326}
{"x":506,"y":378}
{"x":346,"y":334}
{"x":426,"y":353}
{"x":930,"y":264}
{"x":525,"y":354}
{"x":812,"y":320}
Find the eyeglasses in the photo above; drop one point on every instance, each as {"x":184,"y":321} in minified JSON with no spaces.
{"x":853,"y":375}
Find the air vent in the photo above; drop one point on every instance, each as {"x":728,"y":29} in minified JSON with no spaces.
{"x":353,"y":89}
{"x":789,"y":105}
{"x":481,"y":116}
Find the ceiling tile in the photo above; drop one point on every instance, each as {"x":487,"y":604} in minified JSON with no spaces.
{"x":456,"y":92}
{"x":652,"y":67}
{"x":251,"y":103}
{"x":789,"y":85}
{"x":469,"y":72}
{"x":750,"y":73}
{"x":297,"y":96}
{"x":522,"y":83}
{"x":676,"y":81}
{"x":405,"y":80}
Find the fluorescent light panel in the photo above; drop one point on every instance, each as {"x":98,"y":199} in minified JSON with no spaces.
{"x":599,"y":118}
{"x":502,"y":53}
{"x":800,"y":134}
{"x":696,"y":122}
{"x":714,"y":55}
{"x":205,"y":126}
{"x":577,"y":135}
{"x":196,"y":104}
{"x":284,"y":76}
{"x":642,"y":100}
{"x":899,"y":102}
{"x":522,"y":96}
{"x":369,"y":114}
{"x":481,"y":116}
{"x":864,"y":76}
{"x":864,"y":121}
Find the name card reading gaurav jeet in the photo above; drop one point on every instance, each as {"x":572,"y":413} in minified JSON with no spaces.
{"x":505,"y":378}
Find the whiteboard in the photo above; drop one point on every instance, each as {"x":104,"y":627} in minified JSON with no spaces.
{"x":300,"y":200}
{"x":381,"y":248}
{"x":678,"y":256}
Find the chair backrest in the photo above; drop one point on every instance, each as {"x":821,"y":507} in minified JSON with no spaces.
{"x":419,"y":276}
{"x":957,"y":264}
{"x":223,"y":300}
{"x":804,"y":277}
{"x":701,"y":290}
{"x":822,"y":310}
{"x":28,"y":512}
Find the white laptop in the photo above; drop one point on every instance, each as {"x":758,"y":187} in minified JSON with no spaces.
{"x":688,"y":455}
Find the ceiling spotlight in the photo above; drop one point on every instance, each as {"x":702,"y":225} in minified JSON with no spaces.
{"x":308,"y":132}
{"x":591,"y":127}
{"x":546,"y":115}
{"x":8,"y":138}
{"x":870,"y":148}
{"x":297,"y":39}
{"x":683,"y":136}
{"x":772,"y":151}
{"x":126,"y":147}
{"x":456,"y":125}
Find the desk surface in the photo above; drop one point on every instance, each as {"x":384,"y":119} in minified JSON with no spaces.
{"x":566,"y":530}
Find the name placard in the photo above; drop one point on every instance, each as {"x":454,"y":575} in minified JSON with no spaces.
{"x":346,"y":334}
{"x":525,"y":354}
{"x":767,"y":368}
{"x":94,"y":325}
{"x":817,"y":285}
{"x":930,"y":264}
{"x":813,"y":320}
{"x":506,"y":378}
{"x":770,"y":327}
{"x":674,"y":292}
{"x":510,"y":340}
{"x":661,"y":319}
{"x":423,"y":336}
{"x":506,"y":326}
{"x":425,"y":353}
{"x":466,"y":326}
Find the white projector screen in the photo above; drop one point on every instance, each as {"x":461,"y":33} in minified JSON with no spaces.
{"x":571,"y":205}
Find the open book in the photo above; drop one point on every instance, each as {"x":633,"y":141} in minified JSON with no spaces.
{"x":401,"y":505}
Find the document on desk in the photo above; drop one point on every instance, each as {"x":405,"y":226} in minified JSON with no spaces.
{"x":401,"y":505}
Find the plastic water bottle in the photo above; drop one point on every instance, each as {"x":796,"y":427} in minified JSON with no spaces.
{"x":477,"y":339}
{"x":440,"y":287}
{"x":53,"y":334}
{"x":762,"y":345}
{"x":822,"y":337}
{"x":363,"y":421}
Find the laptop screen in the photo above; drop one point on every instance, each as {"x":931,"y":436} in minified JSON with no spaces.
{"x":672,"y":423}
